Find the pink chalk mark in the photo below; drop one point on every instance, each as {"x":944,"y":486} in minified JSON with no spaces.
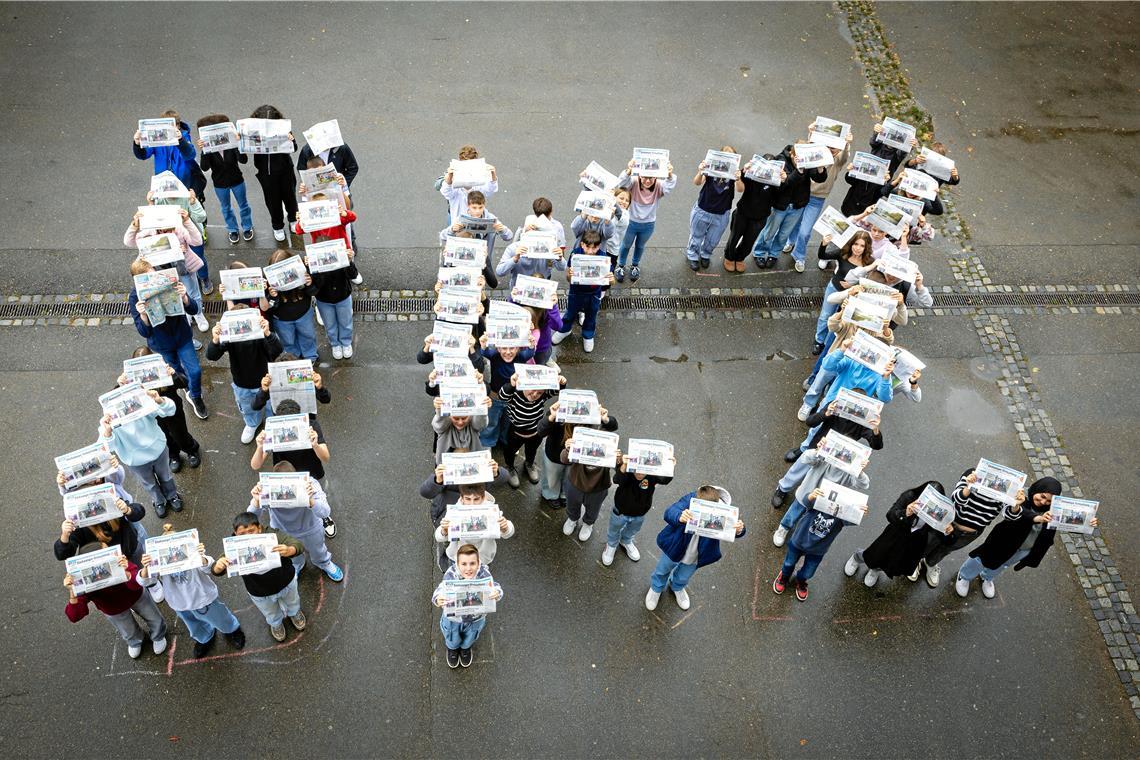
{"x":170,"y":654}
{"x":243,"y":652}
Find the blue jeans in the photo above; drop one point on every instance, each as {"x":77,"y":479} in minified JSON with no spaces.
{"x":637,"y":234}
{"x":275,"y":607}
{"x":973,"y":567}
{"x":459,"y":635}
{"x":496,"y":430}
{"x":298,"y":336}
{"x":811,"y":562}
{"x":776,"y":232}
{"x":807,"y":438}
{"x":204,"y":621}
{"x":622,"y":529}
{"x":338,"y":321}
{"x":794,"y":476}
{"x":674,"y":574}
{"x":238,"y":191}
{"x":552,"y":475}
{"x":244,"y":398}
{"x":193,"y":289}
{"x":184,"y":359}
{"x":802,"y":233}
{"x":204,"y":272}
{"x":705,"y":231}
{"x":825,"y":312}
{"x":823,"y":378}
{"x":828,"y":342}
{"x":577,"y":301}
{"x":792,"y":516}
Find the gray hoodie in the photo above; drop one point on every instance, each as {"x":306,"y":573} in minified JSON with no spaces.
{"x":820,"y":469}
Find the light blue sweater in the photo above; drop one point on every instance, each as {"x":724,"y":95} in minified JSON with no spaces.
{"x":141,"y":441}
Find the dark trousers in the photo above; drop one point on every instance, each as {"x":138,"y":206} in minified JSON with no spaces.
{"x":178,"y":438}
{"x":280,"y":190}
{"x":742,"y":233}
{"x":938,"y":548}
{"x":515,"y":442}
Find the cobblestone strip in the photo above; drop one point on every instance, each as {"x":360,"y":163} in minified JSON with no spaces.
{"x":1097,"y":573}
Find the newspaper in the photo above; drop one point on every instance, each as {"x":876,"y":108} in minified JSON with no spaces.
{"x":164,"y":217}
{"x":324,"y":136}
{"x":468,"y":597}
{"x":712,"y":519}
{"x":913,"y":207}
{"x":871,"y":352}
{"x":811,"y":155}
{"x":161,"y":300}
{"x":721,"y":164}
{"x":918,"y":183}
{"x":173,"y":552}
{"x":472,"y":523}
{"x":596,"y":203}
{"x":651,"y":162}
{"x":595,"y":177}
{"x":321,"y":178}
{"x":263,"y":136}
{"x":474,"y":172}
{"x":579,"y":407}
{"x":453,"y":369}
{"x":870,"y":168}
{"x":463,"y":399}
{"x":218,"y":137}
{"x":467,"y":467}
{"x":239,"y":325}
{"x":589,"y":270}
{"x":882,"y":300}
{"x":459,"y":304}
{"x":243,"y":284}
{"x":998,"y":482}
{"x":85,"y":464}
{"x":318,"y":215}
{"x":1070,"y":515}
{"x":326,"y":255}
{"x":845,"y":503}
{"x":293,"y":381}
{"x":934,"y":509}
{"x":876,"y":288}
{"x":887,"y":217}
{"x":833,"y":222}
{"x":287,"y":432}
{"x":906,"y":364}
{"x":127,"y":403}
{"x":594,"y":447}
{"x":250,"y":554}
{"x":95,"y":570}
{"x":284,"y":490}
{"x":897,"y":134}
{"x":535,"y":291}
{"x":450,"y":340}
{"x":854,"y":406}
{"x":508,"y":332}
{"x":536,"y":377}
{"x":936,"y":164}
{"x":469,"y":252}
{"x":864,"y":313}
{"x":91,"y":505}
{"x":166,"y":185}
{"x":459,"y":277}
{"x":480,"y":227}
{"x":650,"y":457}
{"x":892,"y":264}
{"x":159,"y":133}
{"x":508,"y":310}
{"x":764,"y":171}
{"x":829,"y":132}
{"x":288,"y":274}
{"x":160,"y":250}
{"x":149,"y":371}
{"x":847,"y":454}
{"x":541,"y":244}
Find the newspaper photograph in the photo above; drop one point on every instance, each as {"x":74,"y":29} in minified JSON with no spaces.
{"x":465,"y":597}
{"x":936,"y":164}
{"x":160,"y":250}
{"x":596,"y":203}
{"x":166,"y":185}
{"x":590,"y":270}
{"x":998,"y":482}
{"x":540,"y":244}
{"x":934,"y":509}
{"x":870,"y":168}
{"x":887,"y":217}
{"x":328,"y":194}
{"x":811,"y":155}
{"x":318,"y":215}
{"x":243,"y":284}
{"x":712,"y":519}
{"x":896,"y":134}
{"x":326,"y":255}
{"x":595,"y":177}
{"x":594,"y":447}
{"x":320,"y":179}
{"x":1070,"y":515}
{"x":286,"y":275}
{"x":287,"y":432}
{"x":150,"y":371}
{"x":893,"y":264}
{"x":507,"y":332}
{"x":324,"y":136}
{"x":469,"y":173}
{"x":845,"y":503}
{"x":156,"y":289}
{"x":650,"y":457}
{"x":164,"y":217}
{"x":906,"y":364}
{"x":918,"y":183}
{"x":450,"y":339}
{"x":829,"y":132}
{"x":536,"y":377}
{"x":91,"y":505}
{"x":764,"y":171}
{"x":863,"y":312}
{"x":218,"y":137}
{"x":251,"y":553}
{"x":283,"y":490}
{"x":535,"y":291}
{"x":458,"y":277}
{"x":458,"y":304}
{"x":479,"y":227}
{"x":913,"y":207}
{"x":471,"y":523}
{"x":239,"y":325}
{"x":871,"y":352}
{"x":293,"y":381}
{"x":452,"y":369}
{"x":579,"y":407}
{"x":847,"y":454}
{"x":467,"y":467}
{"x":127,"y":403}
{"x":84,"y":465}
{"x":883,"y":301}
{"x":95,"y":570}
{"x":263,"y":136}
{"x":833,"y":222}
{"x":854,"y":406}
{"x":159,"y":133}
{"x":721,"y":164}
{"x":463,"y":399}
{"x":173,"y":552}
{"x":469,"y":252}
{"x":651,"y":162}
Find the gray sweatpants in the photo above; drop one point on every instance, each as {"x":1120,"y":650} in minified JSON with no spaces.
{"x":156,"y":477}
{"x":130,"y":629}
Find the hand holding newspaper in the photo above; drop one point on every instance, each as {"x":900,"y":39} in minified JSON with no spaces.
{"x":811,"y":155}
{"x":862,"y":312}
{"x":845,"y":503}
{"x":650,"y":457}
{"x":149,"y":371}
{"x":897,"y":134}
{"x":459,"y":304}
{"x":159,"y":133}
{"x":284,"y":490}
{"x":167,"y":185}
{"x":449,"y":339}
{"x":832,"y":222}
{"x":173,"y":553}
{"x":906,"y":364}
{"x":466,"y":467}
{"x":871,"y":352}
{"x":463,"y":399}
{"x":473,"y":523}
{"x":934,"y":509}
{"x":1070,"y":515}
{"x":84,"y":465}
{"x":721,"y":164}
{"x":469,"y":252}
{"x":580,"y":407}
{"x":594,"y":447}
{"x":263,"y":136}
{"x":250,"y":554}
{"x":870,"y":168}
{"x":595,"y":177}
{"x":458,"y":277}
{"x":997,"y":482}
{"x":536,"y":377}
{"x":596,"y":203}
{"x":829,"y":132}
{"x":888,"y":217}
{"x":314,"y":216}
{"x":91,"y":505}
{"x":712,"y":519}
{"x":95,"y":570}
{"x":589,"y":270}
{"x":540,"y":244}
{"x":847,"y":454}
{"x":293,"y":381}
{"x":468,"y":597}
{"x":127,"y":403}
{"x":243,"y":284}
{"x":452,"y":369}
{"x":936,"y":164}
{"x":326,"y":256}
{"x":469,"y":173}
{"x":764,"y":171}
{"x":287,"y":432}
{"x":288,"y":274}
{"x":218,"y":137}
{"x":239,"y":325}
{"x":893,"y":264}
{"x":855,"y":406}
{"x":651,"y":162}
{"x":918,"y":183}
{"x":535,"y":291}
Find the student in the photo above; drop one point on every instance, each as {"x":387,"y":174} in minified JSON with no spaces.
{"x":709,"y":217}
{"x":543,"y":324}
{"x":261,"y":304}
{"x":813,"y":535}
{"x":334,"y":289}
{"x":586,"y":488}
{"x":620,"y":223}
{"x":341,"y":157}
{"x":919,"y":161}
{"x":192,"y":205}
{"x":121,"y":532}
{"x":584,"y":222}
{"x":502,"y":367}
{"x":583,"y":300}
{"x":632,"y":501}
{"x":277,"y":180}
{"x":862,"y":193}
{"x":460,"y":634}
{"x":855,"y":253}
{"x":1020,"y":540}
{"x":261,"y":398}
{"x":816,"y":200}
{"x":274,"y":592}
{"x":645,"y":195}
{"x":141,"y":446}
{"x":683,"y":553}
{"x":117,"y":603}
{"x":524,"y":410}
{"x":302,"y":523}
{"x":477,"y":209}
{"x":456,"y":432}
{"x":516,"y":262}
{"x":788,"y":203}
{"x":225,"y":167}
{"x":554,"y":435}
{"x":291,"y":312}
{"x":177,"y":159}
{"x":458,"y":198}
{"x":443,"y":496}
{"x":249,"y":363}
{"x":748,"y":218}
{"x":172,"y":339}
{"x":902,"y":543}
{"x":192,"y":264}
{"x":487,"y":547}
{"x":178,"y":437}
{"x":193,"y":595}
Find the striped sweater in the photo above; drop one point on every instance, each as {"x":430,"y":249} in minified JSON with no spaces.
{"x":975,"y":511}
{"x":523,"y":413}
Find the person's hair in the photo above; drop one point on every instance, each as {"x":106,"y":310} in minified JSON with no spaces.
{"x":938,"y":148}
{"x":859,"y":390}
{"x":170,"y":113}
{"x":105,"y":531}
{"x":237,"y":265}
{"x":318,"y":196}
{"x":567,"y":432}
{"x":245,"y":520}
{"x":541,"y":206}
{"x":727,"y":149}
{"x":167,"y":528}
{"x":266,"y":112}
{"x":285,"y":356}
{"x":279,"y":255}
{"x":591,"y":237}
{"x":476,"y":196}
{"x":139,"y":266}
{"x":141,"y":351}
{"x":92,"y":546}
{"x":537,"y":316}
{"x":314,"y":163}
{"x":468,"y":152}
{"x":619,"y":190}
{"x":472,"y":489}
{"x":284,"y":466}
{"x":463,"y":234}
{"x":288,"y":406}
{"x":214,"y":118}
{"x":708,"y":493}
{"x":863,"y":235}
{"x":466,"y":549}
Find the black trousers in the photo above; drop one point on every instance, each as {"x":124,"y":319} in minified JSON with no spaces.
{"x":178,"y":438}
{"x":280,"y":190}
{"x":515,"y":442}
{"x":742,"y":233}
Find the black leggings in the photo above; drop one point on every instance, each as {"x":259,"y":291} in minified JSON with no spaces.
{"x":742,"y":233}
{"x":178,"y":438}
{"x":514,"y":442}
{"x":280,"y":189}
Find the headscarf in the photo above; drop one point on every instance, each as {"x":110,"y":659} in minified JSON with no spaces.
{"x":906,"y":497}
{"x":1043,"y":485}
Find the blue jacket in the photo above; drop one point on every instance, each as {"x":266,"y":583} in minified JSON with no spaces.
{"x":673,"y":540}
{"x":168,"y":336}
{"x":851,"y":374}
{"x":178,"y":159}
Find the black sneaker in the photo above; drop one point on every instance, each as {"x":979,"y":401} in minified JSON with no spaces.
{"x":442,"y":560}
{"x":694,"y":265}
{"x":234,"y":238}
{"x":247,"y":235}
{"x":770,"y":262}
{"x":453,"y":658}
{"x":330,"y":527}
{"x":551,"y":503}
{"x":778,"y":498}
{"x":792,"y":455}
{"x":193,"y":460}
{"x":816,"y":349}
{"x":465,"y":657}
{"x":619,"y":273}
{"x":237,"y":638}
{"x":705,"y":263}
{"x":176,"y":502}
{"x":562,"y":502}
{"x":160,"y":509}
{"x":202,"y":649}
{"x":199,"y":407}
{"x":176,"y":464}
{"x":634,"y":273}
{"x":206,"y":284}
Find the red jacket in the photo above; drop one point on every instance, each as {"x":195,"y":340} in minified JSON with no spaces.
{"x":331,"y":233}
{"x":110,"y":600}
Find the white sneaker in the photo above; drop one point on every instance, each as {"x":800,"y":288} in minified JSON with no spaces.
{"x":585,"y":532}
{"x":651,"y":599}
{"x":202,"y":323}
{"x":988,"y":589}
{"x":581,"y":317}
{"x":158,"y":647}
{"x":134,"y":650}
{"x":568,"y":526}
{"x":358,"y":279}
{"x":799,"y":266}
{"x":913,"y":577}
{"x":779,"y":536}
{"x":682,"y":599}
{"x":156,"y":593}
{"x":608,"y":555}
{"x":347,"y":351}
{"x":279,"y":235}
{"x":558,"y":337}
{"x":933,"y":574}
{"x":852,"y":566}
{"x":248,"y":433}
{"x":823,"y":264}
{"x":871,"y":578}
{"x":320,"y":319}
{"x":789,"y":247}
{"x":806,"y":383}
{"x":337,"y":352}
{"x":961,"y":586}
{"x":631,"y":551}
{"x":587,"y":344}
{"x":803,"y":412}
